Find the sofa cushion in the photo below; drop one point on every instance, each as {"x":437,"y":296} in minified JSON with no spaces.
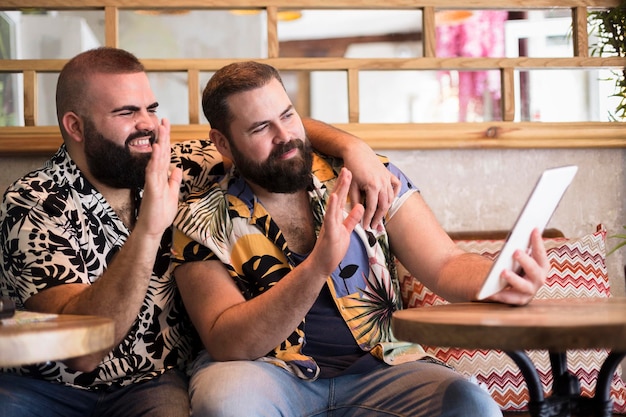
{"x":578,"y":269}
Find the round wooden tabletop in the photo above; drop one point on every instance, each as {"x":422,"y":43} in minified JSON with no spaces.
{"x":61,"y":337}
{"x":556,"y":324}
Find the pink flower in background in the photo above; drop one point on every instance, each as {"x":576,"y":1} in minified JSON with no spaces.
{"x":473,"y":34}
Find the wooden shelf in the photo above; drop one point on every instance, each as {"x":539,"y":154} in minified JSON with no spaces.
{"x":44,"y":140}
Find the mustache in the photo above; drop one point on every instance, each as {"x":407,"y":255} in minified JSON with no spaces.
{"x":286,"y":147}
{"x":141,"y":134}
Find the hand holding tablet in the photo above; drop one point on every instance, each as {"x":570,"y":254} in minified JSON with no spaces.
{"x":536,"y":213}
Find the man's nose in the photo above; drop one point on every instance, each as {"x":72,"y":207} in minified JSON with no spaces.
{"x":145,"y":120}
{"x":281,"y":134}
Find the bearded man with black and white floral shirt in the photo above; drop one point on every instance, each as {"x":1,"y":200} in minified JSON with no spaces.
{"x":89,"y":233}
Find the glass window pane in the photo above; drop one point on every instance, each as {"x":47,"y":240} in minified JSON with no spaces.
{"x":611,"y":95}
{"x":332,"y":32}
{"x":539,"y":33}
{"x":329,"y":96}
{"x":46,"y":99}
{"x":470,"y":33}
{"x":203,"y":80}
{"x":498,"y":33}
{"x":549,"y":95}
{"x":605,"y":27}
{"x":429,"y":96}
{"x":171,"y":91}
{"x":11,"y":91}
{"x":193,"y":34}
{"x":58,"y":35}
{"x":11,"y":111}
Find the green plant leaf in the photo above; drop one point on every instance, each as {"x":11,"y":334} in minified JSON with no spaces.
{"x":621,"y":244}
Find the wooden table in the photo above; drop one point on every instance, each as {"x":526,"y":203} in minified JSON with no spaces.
{"x":61,"y":337}
{"x":555,"y":325}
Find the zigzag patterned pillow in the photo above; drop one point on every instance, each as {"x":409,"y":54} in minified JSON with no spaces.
{"x":578,"y":269}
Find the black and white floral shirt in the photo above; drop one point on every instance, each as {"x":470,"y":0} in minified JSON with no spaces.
{"x":56,"y":228}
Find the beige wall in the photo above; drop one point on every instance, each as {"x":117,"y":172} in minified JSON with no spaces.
{"x":485,"y":189}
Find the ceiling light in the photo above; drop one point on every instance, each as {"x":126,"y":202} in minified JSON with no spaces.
{"x":452,"y":17}
{"x":283,"y":15}
{"x":158,"y":12}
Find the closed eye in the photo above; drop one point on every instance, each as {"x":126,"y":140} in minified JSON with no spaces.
{"x":259,"y":128}
{"x":130,"y":110}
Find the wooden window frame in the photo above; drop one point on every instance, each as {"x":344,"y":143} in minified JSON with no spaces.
{"x":33,"y":139}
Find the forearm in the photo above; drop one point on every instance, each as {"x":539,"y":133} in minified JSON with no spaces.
{"x":117,"y":294}
{"x":330,"y":140}
{"x":460,"y":278}
{"x":251,"y":329}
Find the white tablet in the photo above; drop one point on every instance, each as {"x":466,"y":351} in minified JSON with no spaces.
{"x":536,"y":213}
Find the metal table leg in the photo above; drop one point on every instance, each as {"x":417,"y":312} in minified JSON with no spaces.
{"x":538,"y":404}
{"x":566,"y":399}
{"x":602,"y":397}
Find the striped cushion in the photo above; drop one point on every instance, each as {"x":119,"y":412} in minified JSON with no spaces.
{"x":578,"y":269}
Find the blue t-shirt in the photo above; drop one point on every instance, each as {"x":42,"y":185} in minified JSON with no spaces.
{"x":337,"y":355}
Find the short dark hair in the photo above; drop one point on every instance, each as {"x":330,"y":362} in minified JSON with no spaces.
{"x":231,"y":79}
{"x":73,"y":82}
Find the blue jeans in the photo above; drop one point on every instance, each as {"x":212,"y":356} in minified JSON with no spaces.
{"x":165,"y":396}
{"x":253,"y":388}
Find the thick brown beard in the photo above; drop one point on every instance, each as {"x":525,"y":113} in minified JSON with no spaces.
{"x":275,"y":174}
{"x":114,"y":165}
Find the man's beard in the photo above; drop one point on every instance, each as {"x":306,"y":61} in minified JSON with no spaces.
{"x":114,"y":165}
{"x":278,"y":175}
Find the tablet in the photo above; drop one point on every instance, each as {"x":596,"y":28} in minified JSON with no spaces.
{"x":536,"y":213}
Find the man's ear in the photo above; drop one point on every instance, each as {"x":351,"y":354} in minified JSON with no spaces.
{"x":221,"y":143}
{"x":74,"y":126}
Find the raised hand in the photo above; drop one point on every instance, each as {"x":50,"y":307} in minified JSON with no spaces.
{"x":334,"y":237}
{"x":162,"y":185}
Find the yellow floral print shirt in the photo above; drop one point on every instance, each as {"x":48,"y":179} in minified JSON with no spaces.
{"x":239,"y":232}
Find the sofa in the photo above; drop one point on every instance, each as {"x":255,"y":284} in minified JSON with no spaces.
{"x":578,"y":269}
